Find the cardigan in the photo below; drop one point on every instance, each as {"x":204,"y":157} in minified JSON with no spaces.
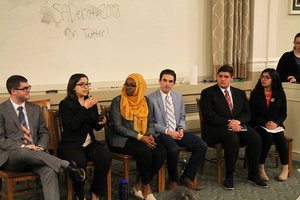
{"x":287,"y":66}
{"x":260,"y":114}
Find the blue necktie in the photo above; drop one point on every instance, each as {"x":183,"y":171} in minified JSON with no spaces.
{"x":27,"y":139}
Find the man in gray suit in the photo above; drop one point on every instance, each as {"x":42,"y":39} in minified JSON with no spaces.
{"x":24,"y":138}
{"x":169,"y":122}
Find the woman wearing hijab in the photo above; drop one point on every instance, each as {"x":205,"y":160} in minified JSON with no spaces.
{"x":131,"y":132}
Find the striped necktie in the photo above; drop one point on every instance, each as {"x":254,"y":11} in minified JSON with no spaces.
{"x":27,"y":139}
{"x":228,"y":99}
{"x":170,"y":116}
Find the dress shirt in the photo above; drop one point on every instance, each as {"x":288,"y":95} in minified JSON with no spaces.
{"x":16,"y":106}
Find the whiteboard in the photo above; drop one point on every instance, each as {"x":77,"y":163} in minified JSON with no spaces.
{"x":47,"y":41}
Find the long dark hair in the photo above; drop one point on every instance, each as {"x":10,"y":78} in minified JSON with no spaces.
{"x":276,"y":83}
{"x":72,"y":84}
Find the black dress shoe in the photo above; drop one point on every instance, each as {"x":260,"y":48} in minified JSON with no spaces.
{"x":228,"y":184}
{"x":76,"y":172}
{"x":257,"y":181}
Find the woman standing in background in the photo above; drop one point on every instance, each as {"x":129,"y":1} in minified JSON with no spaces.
{"x":289,"y":64}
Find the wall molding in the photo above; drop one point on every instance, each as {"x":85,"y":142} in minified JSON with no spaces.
{"x":259,"y":64}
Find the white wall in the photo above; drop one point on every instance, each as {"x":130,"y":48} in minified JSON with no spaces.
{"x":272,"y":32}
{"x":146,"y":37}
{"x":288,"y":26}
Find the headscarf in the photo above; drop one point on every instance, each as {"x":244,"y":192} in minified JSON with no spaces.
{"x":135,"y":105}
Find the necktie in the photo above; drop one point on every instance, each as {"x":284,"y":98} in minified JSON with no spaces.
{"x":170,"y":117}
{"x":27,"y":139}
{"x":228,"y":99}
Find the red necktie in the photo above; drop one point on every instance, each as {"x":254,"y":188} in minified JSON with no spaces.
{"x":228,"y":99}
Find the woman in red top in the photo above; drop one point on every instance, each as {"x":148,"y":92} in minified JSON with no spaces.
{"x":268,"y":110}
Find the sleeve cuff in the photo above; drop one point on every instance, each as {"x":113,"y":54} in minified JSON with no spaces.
{"x":139,"y":136}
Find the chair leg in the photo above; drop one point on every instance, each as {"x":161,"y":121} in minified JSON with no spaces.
{"x":201,"y":168}
{"x":246,"y":159}
{"x":37,"y":183}
{"x":276,"y":158}
{"x":219,"y":164}
{"x":126,"y":170}
{"x":290,"y":145}
{"x":161,"y":179}
{"x":10,"y":189}
{"x":108,"y":185}
{"x":0,"y":186}
{"x":69,"y":185}
{"x":195,"y":180}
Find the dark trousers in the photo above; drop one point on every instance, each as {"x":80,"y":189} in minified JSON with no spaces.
{"x":97,"y":153}
{"x":148,"y":161}
{"x":232,"y":141}
{"x":266,"y":142}
{"x":192,"y":143}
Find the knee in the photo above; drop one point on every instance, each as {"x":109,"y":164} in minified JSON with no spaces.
{"x":104,"y":158}
{"x":80,"y":162}
{"x":145,"y":152}
{"x":234,"y":140}
{"x":174,"y":151}
{"x":201,"y":144}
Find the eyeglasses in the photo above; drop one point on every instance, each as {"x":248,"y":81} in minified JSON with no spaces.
{"x":83,"y":85}
{"x":25,"y":89}
{"x":265,"y":77}
{"x":129,"y":86}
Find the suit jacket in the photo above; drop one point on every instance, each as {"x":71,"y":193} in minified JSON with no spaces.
{"x":287,"y":66}
{"x":77,"y":123}
{"x":216,"y":112}
{"x":11,"y":133}
{"x":260,"y":112}
{"x":159,"y":113}
{"x":122,"y":129}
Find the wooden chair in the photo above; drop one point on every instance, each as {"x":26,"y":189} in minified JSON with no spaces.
{"x":57,"y":129}
{"x":126,"y":159}
{"x":219,"y":147}
{"x":45,"y":105}
{"x":13,"y":177}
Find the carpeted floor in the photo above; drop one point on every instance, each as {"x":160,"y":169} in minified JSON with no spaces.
{"x":289,"y":189}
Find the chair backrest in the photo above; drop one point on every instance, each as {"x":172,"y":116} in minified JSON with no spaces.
{"x":199,"y":110}
{"x":105,"y":111}
{"x":45,"y":105}
{"x":56,"y":128}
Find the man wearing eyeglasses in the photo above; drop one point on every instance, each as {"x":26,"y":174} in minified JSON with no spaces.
{"x":226,"y":114}
{"x":169,"y":121}
{"x":24,"y":138}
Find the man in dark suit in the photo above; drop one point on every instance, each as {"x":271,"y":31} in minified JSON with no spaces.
{"x":226,"y":113}
{"x":169,"y":123}
{"x":24,"y":138}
